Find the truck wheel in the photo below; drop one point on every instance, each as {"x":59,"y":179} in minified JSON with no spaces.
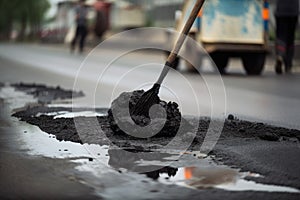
{"x":221,"y":61}
{"x":254,"y":63}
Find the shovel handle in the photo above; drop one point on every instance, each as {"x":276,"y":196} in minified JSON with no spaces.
{"x":186,"y":29}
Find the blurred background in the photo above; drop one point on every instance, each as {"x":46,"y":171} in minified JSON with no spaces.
{"x":51,"y":20}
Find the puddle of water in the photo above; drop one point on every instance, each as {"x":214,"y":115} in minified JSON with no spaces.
{"x":244,"y":185}
{"x":206,"y":177}
{"x":80,"y":114}
{"x":52,"y":113}
{"x":205,"y":174}
{"x":104,"y":161}
{"x":221,"y":178}
{"x":68,"y":114}
{"x":41,"y":143}
{"x":63,"y":105}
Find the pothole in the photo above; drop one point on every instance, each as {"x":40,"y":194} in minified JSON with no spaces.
{"x":186,"y":169}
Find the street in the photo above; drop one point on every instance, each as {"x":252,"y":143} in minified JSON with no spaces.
{"x":250,"y":160}
{"x":267,"y":98}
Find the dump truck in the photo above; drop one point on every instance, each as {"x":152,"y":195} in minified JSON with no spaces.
{"x":231,"y":28}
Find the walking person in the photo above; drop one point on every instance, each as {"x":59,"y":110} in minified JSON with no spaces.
{"x":81,"y":12}
{"x":101,"y":20}
{"x":286,"y":15}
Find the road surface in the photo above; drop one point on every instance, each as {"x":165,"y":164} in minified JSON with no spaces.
{"x":28,"y":171}
{"x":267,"y":98}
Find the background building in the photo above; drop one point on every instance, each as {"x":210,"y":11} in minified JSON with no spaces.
{"x":160,"y":12}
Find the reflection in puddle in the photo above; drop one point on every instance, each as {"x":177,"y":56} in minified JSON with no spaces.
{"x":80,"y":114}
{"x":197,"y":177}
{"x":134,"y":161}
{"x":62,"y":105}
{"x":51,"y":113}
{"x":155,"y":175}
{"x":221,"y":178}
{"x":68,"y":114}
{"x":209,"y":177}
{"x":201,"y":178}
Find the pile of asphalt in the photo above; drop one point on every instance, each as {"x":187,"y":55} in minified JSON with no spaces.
{"x":128,"y":100}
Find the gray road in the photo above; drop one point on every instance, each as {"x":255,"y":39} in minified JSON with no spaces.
{"x":268,"y":98}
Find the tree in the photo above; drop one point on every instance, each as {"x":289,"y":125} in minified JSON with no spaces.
{"x":6,"y":17}
{"x":22,"y":14}
{"x":36,"y":18}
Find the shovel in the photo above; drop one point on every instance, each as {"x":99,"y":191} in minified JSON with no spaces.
{"x":150,"y":97}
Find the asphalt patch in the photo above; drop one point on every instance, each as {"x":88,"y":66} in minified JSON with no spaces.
{"x":250,"y":146}
{"x":65,"y":128}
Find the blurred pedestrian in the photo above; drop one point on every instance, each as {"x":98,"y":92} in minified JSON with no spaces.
{"x":101,"y":18}
{"x":286,"y":15}
{"x":81,"y":12}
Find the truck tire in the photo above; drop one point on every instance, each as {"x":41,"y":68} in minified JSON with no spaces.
{"x":254,"y":63}
{"x":221,"y":61}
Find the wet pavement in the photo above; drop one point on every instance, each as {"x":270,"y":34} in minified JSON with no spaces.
{"x":238,"y":167}
{"x":26,"y":174}
{"x":250,"y":161}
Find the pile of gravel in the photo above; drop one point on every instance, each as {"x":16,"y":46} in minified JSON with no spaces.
{"x":121,"y":106}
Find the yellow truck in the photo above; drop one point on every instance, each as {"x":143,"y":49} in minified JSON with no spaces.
{"x":231,"y":28}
